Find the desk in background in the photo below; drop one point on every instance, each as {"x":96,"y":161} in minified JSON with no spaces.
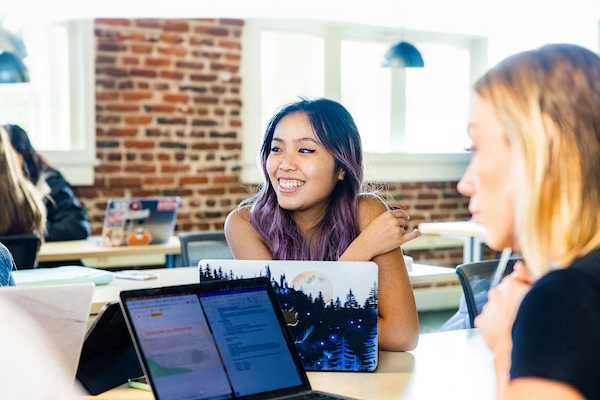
{"x":471,"y":233}
{"x":445,"y":365}
{"x":95,"y":255}
{"x":438,"y":281}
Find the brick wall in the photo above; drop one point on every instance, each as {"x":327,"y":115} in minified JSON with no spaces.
{"x":168,"y":122}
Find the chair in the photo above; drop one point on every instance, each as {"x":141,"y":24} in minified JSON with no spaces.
{"x":24,"y":249}
{"x":196,"y":246}
{"x":475,"y":280}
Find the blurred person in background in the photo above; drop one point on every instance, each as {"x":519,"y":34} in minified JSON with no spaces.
{"x":66,"y":217}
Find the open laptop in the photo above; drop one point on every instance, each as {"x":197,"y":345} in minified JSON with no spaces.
{"x":215,"y":340}
{"x":330,"y":307}
{"x":135,"y":221}
{"x":62,"y":311}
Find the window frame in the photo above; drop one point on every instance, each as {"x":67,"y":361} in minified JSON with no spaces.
{"x":379,"y":167}
{"x":77,"y":163}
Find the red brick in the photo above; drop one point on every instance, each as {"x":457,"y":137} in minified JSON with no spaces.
{"x":157,"y":62}
{"x":148,"y":23}
{"x":105,"y":59}
{"x":160,"y":108}
{"x":125,"y":182}
{"x":147,"y":157}
{"x":138,"y":120}
{"x":194,"y":41}
{"x":111,"y":71}
{"x":132,"y":96}
{"x":234,"y":22}
{"x":107,"y":168}
{"x":176,"y":98}
{"x":428,"y":196}
{"x":174,"y":168}
{"x":111,"y":46}
{"x":203,"y":78}
{"x":122,"y":132}
{"x":172,"y":51}
{"x":226,"y":179}
{"x":235,"y":123}
{"x":228,"y":44}
{"x":113,"y":21}
{"x":164,"y":157}
{"x":224,"y":67}
{"x":192,"y":180}
{"x":232,"y":57}
{"x":146,"y":73}
{"x":235,"y":102}
{"x":143,"y":85}
{"x":172,"y":25}
{"x":205,"y":146}
{"x":211,"y":55}
{"x":141,"y":168}
{"x":123,"y":107}
{"x":214,"y":31}
{"x":233,"y":146}
{"x":141,"y":48}
{"x":171,"y":38}
{"x":189,"y":64}
{"x":206,"y":100}
{"x":131,"y":60}
{"x":171,"y":75}
{"x":139,"y":144}
{"x":107,"y":96}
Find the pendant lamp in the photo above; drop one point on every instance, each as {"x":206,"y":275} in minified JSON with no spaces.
{"x":403,"y":55}
{"x":12,"y":53}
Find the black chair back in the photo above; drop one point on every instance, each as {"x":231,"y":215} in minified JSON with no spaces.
{"x":196,"y":246}
{"x":24,"y":249}
{"x":475,"y":280}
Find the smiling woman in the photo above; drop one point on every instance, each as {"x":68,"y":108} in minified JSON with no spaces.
{"x":310,"y":208}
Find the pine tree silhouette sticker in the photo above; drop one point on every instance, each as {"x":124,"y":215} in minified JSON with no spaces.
{"x":351,"y":301}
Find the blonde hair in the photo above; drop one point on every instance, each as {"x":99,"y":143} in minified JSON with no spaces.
{"x":23,"y":210}
{"x":549,"y":103}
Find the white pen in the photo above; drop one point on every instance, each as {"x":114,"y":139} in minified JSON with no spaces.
{"x":501,"y":268}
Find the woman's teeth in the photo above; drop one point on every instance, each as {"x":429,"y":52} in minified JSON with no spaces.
{"x":290,"y":183}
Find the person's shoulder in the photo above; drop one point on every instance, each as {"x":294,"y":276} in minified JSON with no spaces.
{"x":370,"y":205}
{"x":238,"y":220}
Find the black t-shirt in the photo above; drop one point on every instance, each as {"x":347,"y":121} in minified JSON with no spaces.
{"x":556,"y":334}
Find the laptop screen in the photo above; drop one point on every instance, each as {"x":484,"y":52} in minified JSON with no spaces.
{"x":212,"y":345}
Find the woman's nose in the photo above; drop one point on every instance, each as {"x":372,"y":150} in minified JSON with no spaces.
{"x":466,"y":185}
{"x":288,"y":163}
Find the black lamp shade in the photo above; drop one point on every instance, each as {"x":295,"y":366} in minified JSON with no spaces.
{"x":403,"y":55}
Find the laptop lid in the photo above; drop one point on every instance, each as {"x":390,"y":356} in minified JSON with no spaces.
{"x":330,"y":307}
{"x":135,"y":221}
{"x":214,"y":340}
{"x":62,"y":311}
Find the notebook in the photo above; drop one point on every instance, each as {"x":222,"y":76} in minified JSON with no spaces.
{"x":136,"y":221}
{"x":62,"y":311}
{"x":330,"y":307}
{"x":215,"y":340}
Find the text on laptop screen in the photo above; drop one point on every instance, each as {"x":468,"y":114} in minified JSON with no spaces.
{"x":184,"y":337}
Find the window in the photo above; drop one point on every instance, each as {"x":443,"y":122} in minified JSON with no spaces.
{"x":412,"y":121}
{"x":56,"y":107}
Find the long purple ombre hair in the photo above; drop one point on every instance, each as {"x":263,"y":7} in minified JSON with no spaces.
{"x":337,"y":131}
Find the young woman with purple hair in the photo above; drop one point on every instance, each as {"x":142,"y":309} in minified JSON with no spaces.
{"x":311,"y":208}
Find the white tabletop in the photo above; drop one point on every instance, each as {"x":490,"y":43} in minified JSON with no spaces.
{"x":458,"y":228}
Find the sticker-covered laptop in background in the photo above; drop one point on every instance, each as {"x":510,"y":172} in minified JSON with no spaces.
{"x":330,"y":307}
{"x":136,"y":221}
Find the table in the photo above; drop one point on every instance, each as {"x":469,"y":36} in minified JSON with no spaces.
{"x":471,"y":233}
{"x":95,"y":255}
{"x":420,"y":275}
{"x":445,"y":365}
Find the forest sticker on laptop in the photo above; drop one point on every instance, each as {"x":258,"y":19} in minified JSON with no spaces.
{"x":331,"y":313}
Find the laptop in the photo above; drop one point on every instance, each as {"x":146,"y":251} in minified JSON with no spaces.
{"x":330,"y":307}
{"x":108,"y":358}
{"x":215,"y":340}
{"x":136,"y":221}
{"x":62,"y":311}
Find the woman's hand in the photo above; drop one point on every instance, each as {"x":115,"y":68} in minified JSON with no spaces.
{"x":386,"y":233}
{"x":498,"y":315}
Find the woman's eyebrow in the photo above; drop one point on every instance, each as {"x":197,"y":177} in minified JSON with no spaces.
{"x":308,"y":139}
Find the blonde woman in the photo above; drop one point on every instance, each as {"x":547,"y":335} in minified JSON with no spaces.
{"x":534,"y":182}
{"x":23,"y":210}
